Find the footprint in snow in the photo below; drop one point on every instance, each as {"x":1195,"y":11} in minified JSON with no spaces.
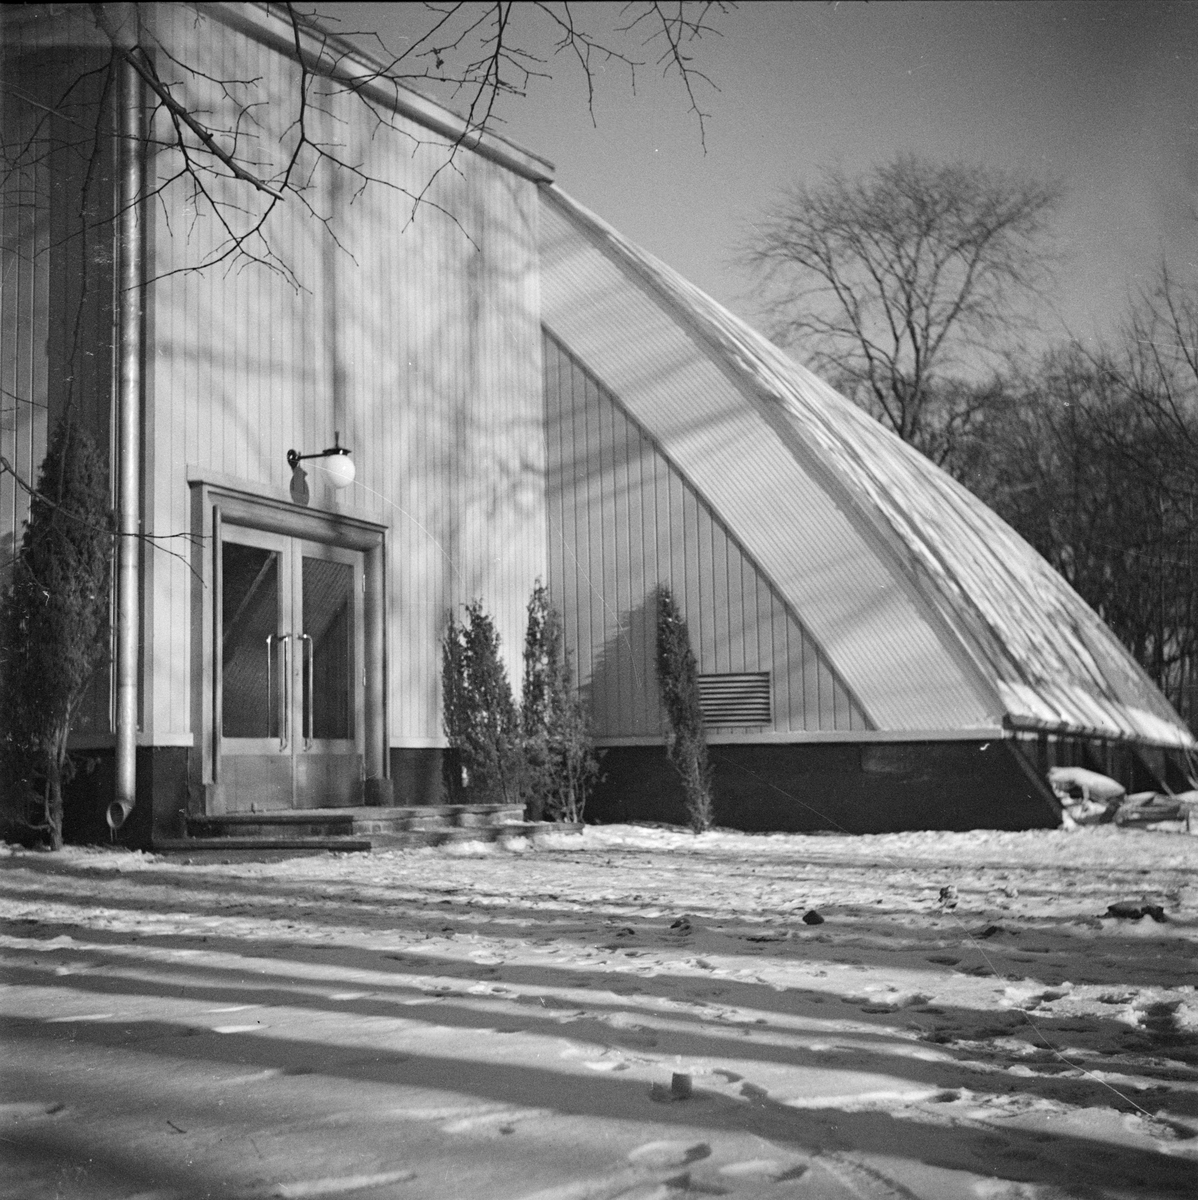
{"x":25,"y":1110}
{"x":668,"y":1154}
{"x":498,"y":1121}
{"x":339,"y":1185}
{"x":764,"y":1170}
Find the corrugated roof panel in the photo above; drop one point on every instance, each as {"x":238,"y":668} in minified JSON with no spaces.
{"x":1047,"y":655}
{"x":866,"y":617}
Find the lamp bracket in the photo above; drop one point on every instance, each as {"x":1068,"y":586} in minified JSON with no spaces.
{"x":294,"y":457}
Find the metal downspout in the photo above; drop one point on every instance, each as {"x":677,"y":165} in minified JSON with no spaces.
{"x":129,"y":326}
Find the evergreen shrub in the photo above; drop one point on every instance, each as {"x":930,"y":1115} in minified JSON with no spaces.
{"x":677,"y":677}
{"x":479,"y":714}
{"x":55,"y":623}
{"x":559,"y":753}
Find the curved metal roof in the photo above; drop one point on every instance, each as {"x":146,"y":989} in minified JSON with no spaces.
{"x":937,"y":612}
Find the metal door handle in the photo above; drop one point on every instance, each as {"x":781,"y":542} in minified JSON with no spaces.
{"x":285,"y":718}
{"x":271,"y":710}
{"x":309,"y":656}
{"x":270,"y":683}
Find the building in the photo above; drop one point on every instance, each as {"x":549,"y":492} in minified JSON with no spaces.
{"x":526,"y":395}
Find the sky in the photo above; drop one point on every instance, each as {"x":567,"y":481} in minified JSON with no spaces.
{"x":1101,"y":96}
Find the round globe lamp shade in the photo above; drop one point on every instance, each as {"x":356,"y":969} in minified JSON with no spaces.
{"x":340,"y":468}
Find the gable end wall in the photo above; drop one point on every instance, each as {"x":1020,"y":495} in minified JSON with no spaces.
{"x":622,"y":519}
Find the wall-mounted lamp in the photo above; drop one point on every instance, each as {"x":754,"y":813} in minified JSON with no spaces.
{"x":339,"y":467}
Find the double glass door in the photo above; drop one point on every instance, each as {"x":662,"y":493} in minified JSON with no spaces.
{"x":290,"y":683}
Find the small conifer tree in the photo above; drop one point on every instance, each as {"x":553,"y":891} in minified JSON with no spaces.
{"x":54,"y":623}
{"x":677,"y":676}
{"x":479,"y":714}
{"x":559,"y":753}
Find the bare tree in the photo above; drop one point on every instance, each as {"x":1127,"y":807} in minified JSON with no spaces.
{"x":899,"y":284}
{"x":1157,"y":369}
{"x":221,"y":131}
{"x":237,"y":158}
{"x":1094,"y":459}
{"x":1159,"y":362}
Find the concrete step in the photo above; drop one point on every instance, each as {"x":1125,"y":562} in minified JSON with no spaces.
{"x":403,"y":839}
{"x":358,"y":821}
{"x":395,"y":839}
{"x":358,"y":829}
{"x":172,"y":845}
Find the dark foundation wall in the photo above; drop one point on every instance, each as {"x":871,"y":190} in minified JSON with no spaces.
{"x":422,"y":776}
{"x":161,"y":797}
{"x":875,"y":787}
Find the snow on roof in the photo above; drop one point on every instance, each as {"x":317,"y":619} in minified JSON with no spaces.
{"x":1050,"y":657}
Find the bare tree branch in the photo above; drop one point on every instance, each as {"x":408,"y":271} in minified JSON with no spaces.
{"x":480,"y":51}
{"x":897,"y":281}
{"x":152,"y":539}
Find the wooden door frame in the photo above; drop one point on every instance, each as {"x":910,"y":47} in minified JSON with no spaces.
{"x":216,"y":503}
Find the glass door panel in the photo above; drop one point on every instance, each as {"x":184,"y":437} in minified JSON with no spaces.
{"x":252,"y":668}
{"x":289,"y":681}
{"x":328,"y":647}
{"x":254,"y":674}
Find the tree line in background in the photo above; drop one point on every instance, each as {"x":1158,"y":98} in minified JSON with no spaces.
{"x":1093,"y":458}
{"x":911,"y":288}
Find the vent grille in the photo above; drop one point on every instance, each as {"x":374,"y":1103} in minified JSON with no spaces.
{"x":735,"y":699}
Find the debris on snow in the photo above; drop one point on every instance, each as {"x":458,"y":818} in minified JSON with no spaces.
{"x":1072,"y":783}
{"x":1154,"y":810}
{"x":1087,"y":798}
{"x":1133,"y":910}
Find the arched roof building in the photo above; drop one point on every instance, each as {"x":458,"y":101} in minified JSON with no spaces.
{"x":878,"y":601}
{"x":527,"y":396}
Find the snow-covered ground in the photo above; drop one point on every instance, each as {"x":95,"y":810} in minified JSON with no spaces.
{"x":630,"y":1013}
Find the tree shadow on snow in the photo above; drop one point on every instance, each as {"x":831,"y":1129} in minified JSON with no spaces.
{"x":1064,"y":1159}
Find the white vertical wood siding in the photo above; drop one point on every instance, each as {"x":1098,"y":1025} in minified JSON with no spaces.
{"x":419,"y":340}
{"x":24,"y":322}
{"x":622,"y":520}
